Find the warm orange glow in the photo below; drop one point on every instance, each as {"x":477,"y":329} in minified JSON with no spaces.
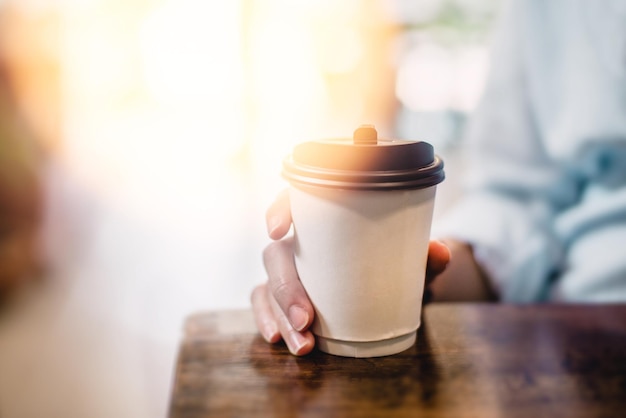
{"x":32,"y":64}
{"x":179,"y":92}
{"x":160,"y":99}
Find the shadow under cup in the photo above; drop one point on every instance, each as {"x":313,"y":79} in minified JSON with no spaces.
{"x":362,"y":214}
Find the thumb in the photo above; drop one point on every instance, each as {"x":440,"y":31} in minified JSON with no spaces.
{"x":438,"y":259}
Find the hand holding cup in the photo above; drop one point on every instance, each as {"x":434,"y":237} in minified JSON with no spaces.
{"x":281,"y":307}
{"x":361,"y":210}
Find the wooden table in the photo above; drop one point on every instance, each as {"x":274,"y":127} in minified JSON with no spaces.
{"x":470,"y":360}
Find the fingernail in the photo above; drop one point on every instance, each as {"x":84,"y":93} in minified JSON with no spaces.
{"x":270,"y":331}
{"x":273,"y":224}
{"x":298,"y":317}
{"x":296,"y":343}
{"x":442,"y":243}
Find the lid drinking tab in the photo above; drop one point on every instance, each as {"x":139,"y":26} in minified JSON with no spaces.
{"x":365,"y":134}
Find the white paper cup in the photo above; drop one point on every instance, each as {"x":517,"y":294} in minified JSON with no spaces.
{"x":361,"y":256}
{"x":362,"y":213}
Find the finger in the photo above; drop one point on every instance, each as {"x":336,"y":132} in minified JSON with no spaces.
{"x":438,"y":259}
{"x":278,"y":216}
{"x":285,"y":286}
{"x":263,"y":314}
{"x":298,"y":343}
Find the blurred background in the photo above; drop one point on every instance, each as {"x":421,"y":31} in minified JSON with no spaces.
{"x":141,"y":142}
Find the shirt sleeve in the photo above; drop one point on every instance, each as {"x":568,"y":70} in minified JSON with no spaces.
{"x":512,"y":188}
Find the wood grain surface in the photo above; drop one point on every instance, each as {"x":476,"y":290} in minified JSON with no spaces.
{"x":480,"y":360}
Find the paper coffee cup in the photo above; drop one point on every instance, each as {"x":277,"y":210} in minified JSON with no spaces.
{"x":362,"y":210}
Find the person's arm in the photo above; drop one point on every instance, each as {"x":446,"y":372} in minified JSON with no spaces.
{"x":513,"y":186}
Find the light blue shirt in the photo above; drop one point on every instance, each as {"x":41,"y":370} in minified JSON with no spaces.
{"x":545,"y":204}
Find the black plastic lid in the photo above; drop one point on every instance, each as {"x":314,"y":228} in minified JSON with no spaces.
{"x":364,"y":162}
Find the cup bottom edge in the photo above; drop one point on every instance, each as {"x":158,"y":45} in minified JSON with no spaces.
{"x":362,"y":349}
